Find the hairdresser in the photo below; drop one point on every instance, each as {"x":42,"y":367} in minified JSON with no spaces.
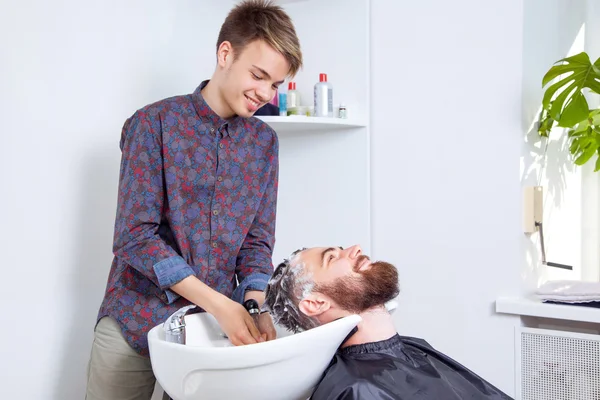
{"x":196,"y":203}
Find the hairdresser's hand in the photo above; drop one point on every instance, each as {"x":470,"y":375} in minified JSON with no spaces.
{"x":265,"y":322}
{"x":266,"y":327}
{"x":236,"y":322}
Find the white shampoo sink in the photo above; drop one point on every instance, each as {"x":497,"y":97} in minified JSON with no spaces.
{"x":209,"y":367}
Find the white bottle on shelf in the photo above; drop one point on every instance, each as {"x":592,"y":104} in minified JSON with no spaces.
{"x":293,"y":96}
{"x":323,"y":97}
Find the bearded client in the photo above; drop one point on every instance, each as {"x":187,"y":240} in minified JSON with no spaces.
{"x":316,"y":286}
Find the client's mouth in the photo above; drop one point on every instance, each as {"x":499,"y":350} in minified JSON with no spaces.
{"x":362,"y":263}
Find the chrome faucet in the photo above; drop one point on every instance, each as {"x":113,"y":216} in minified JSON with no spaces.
{"x":174,"y":326}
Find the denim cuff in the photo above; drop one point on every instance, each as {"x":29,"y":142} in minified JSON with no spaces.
{"x":256,"y":281}
{"x":169,"y":272}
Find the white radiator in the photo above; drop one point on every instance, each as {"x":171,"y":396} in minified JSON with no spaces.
{"x":557,"y":365}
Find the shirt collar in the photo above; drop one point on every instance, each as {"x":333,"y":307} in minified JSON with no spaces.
{"x":232,"y":126}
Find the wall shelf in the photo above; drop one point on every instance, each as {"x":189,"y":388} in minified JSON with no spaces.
{"x":531,"y":307}
{"x":300,"y":123}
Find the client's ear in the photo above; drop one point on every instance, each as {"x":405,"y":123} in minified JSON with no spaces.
{"x":313,"y":306}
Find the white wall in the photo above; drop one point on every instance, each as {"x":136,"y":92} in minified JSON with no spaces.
{"x":71,"y":73}
{"x":446,"y":141}
{"x":456,"y":89}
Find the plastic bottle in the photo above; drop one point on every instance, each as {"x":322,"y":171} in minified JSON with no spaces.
{"x":282,"y":104}
{"x":293,"y":96}
{"x":342,"y":112}
{"x":275,"y":99}
{"x":323,"y":97}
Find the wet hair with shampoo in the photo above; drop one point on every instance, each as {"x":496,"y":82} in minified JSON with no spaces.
{"x":353,"y":293}
{"x":285,"y":289}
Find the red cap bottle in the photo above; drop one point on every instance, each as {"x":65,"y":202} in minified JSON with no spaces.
{"x":323,"y":97}
{"x":292,"y":86}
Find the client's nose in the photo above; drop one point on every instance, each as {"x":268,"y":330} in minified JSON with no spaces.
{"x":354,"y":251}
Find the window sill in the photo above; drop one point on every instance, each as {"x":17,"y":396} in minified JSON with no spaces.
{"x":532,"y":307}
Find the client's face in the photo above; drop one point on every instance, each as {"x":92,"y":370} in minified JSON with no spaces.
{"x":348,"y":277}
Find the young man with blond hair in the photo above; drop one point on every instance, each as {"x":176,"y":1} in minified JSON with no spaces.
{"x":197,"y":204}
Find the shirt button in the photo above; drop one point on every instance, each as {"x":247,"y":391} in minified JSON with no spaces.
{"x":212,"y":129}
{"x":221,"y":145}
{"x":215,"y":212}
{"x":214,"y":244}
{"x":220,"y":178}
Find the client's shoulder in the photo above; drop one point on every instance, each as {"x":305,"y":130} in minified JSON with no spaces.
{"x":349,"y":378}
{"x":347,"y":389}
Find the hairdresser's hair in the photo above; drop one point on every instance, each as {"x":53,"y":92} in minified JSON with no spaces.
{"x":262,"y":20}
{"x":282,"y":297}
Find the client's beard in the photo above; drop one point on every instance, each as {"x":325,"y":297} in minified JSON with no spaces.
{"x":374,"y":287}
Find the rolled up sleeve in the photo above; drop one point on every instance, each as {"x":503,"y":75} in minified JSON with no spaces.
{"x":257,"y":281}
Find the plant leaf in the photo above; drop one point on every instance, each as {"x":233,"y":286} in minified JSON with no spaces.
{"x":586,"y":154}
{"x":596,"y":65}
{"x":581,"y":59}
{"x":559,"y":101}
{"x":579,"y":73}
{"x":597,"y":167}
{"x":582,"y":129}
{"x":545,"y":123}
{"x":594,"y":117}
{"x":585,"y":147}
{"x":549,"y":93}
{"x":595,"y":86}
{"x":575,"y":146}
{"x":575,"y":111}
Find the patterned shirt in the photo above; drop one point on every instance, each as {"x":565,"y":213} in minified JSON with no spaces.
{"x":197,"y":196}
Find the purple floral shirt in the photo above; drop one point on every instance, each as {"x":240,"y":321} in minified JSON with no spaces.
{"x":197,"y":196}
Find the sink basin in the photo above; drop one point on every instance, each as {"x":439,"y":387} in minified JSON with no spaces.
{"x":209,"y":367}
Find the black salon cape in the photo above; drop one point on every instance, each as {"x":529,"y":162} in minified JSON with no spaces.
{"x":400,"y":368}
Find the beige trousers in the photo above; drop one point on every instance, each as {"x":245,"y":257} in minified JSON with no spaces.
{"x":115,"y":370}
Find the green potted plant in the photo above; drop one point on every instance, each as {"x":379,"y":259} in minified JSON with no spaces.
{"x":568,"y":108}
